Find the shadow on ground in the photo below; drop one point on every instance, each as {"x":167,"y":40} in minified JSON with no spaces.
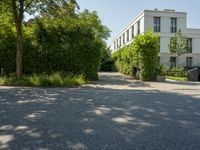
{"x":116,"y":79}
{"x":97,"y":119}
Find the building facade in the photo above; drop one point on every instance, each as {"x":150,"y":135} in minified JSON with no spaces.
{"x":166,"y":22}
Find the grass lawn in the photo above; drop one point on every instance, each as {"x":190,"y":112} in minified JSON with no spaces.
{"x":177,"y":78}
{"x":54,"y":80}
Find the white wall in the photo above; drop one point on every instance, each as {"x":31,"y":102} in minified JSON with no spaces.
{"x":146,"y":22}
{"x":165,"y":20}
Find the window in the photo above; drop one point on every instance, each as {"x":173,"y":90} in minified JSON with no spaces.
{"x":156,"y":24}
{"x":138,"y":27}
{"x":132,"y":31}
{"x":189,"y":44}
{"x":117,"y":43}
{"x":173,"y":27}
{"x":123,"y":38}
{"x":120,"y":41}
{"x":188,"y":61}
{"x":173,"y":62}
{"x":127,"y":35}
{"x":114,"y":44}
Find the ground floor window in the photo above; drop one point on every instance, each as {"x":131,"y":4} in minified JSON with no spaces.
{"x":173,"y":62}
{"x":189,"y":61}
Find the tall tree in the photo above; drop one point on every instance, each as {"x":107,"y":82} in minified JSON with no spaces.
{"x":18,"y":8}
{"x":178,"y":45}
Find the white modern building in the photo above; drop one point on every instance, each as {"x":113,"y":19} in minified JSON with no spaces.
{"x":166,"y":22}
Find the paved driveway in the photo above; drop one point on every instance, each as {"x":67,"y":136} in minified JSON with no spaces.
{"x":116,"y":113}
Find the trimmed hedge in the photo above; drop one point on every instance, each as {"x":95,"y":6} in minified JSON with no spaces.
{"x":139,"y":57}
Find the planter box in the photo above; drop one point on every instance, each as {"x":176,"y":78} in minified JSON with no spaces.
{"x":161,"y":78}
{"x":193,"y":74}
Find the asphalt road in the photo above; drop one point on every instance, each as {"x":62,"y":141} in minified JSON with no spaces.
{"x":116,"y":113}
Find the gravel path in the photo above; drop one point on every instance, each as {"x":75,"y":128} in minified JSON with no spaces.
{"x":116,"y":113}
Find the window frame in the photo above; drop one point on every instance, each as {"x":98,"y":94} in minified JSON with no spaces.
{"x":157,"y":24}
{"x":189,"y":61}
{"x":173,"y":25}
{"x":138,"y":27}
{"x":173,"y":62}
{"x":127,"y":35}
{"x":123,"y":36}
{"x":189,"y":45}
{"x":132,"y":32}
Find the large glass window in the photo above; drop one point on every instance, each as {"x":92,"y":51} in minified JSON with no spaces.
{"x":173,"y":62}
{"x":138,"y":27}
{"x":156,"y":24}
{"x":189,"y":44}
{"x":189,"y":61}
{"x":173,"y":27}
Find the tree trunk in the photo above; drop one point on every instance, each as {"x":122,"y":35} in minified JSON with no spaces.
{"x":19,"y":50}
{"x":18,"y":17}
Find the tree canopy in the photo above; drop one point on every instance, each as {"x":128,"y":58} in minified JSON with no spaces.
{"x":57,"y":42}
{"x":18,"y":7}
{"x":178,"y":45}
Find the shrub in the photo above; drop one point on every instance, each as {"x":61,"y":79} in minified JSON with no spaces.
{"x":72,"y":45}
{"x":43,"y":80}
{"x":107,"y":62}
{"x":147,"y":48}
{"x":123,"y":61}
{"x":175,"y":72}
{"x":141,"y":56}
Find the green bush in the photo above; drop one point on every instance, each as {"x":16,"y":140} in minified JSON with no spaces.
{"x":107,"y":62}
{"x":43,"y":80}
{"x":71,"y":45}
{"x":141,"y":56}
{"x":147,"y":47}
{"x":123,"y":61}
{"x":175,"y":72}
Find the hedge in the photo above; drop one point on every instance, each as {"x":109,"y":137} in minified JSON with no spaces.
{"x":140,"y":56}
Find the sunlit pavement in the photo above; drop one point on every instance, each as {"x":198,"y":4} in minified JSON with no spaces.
{"x":115,"y":113}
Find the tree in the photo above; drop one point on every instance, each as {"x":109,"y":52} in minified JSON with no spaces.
{"x":18,"y":8}
{"x":178,"y":45}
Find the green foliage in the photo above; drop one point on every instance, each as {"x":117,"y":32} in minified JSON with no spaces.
{"x":43,"y":80}
{"x":7,"y":42}
{"x":175,"y":72}
{"x":123,"y":61}
{"x":107,"y":62}
{"x":72,"y":45}
{"x":141,"y":56}
{"x":147,"y":48}
{"x":178,"y":45}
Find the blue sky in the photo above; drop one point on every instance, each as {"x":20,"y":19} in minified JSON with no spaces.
{"x":116,"y":14}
